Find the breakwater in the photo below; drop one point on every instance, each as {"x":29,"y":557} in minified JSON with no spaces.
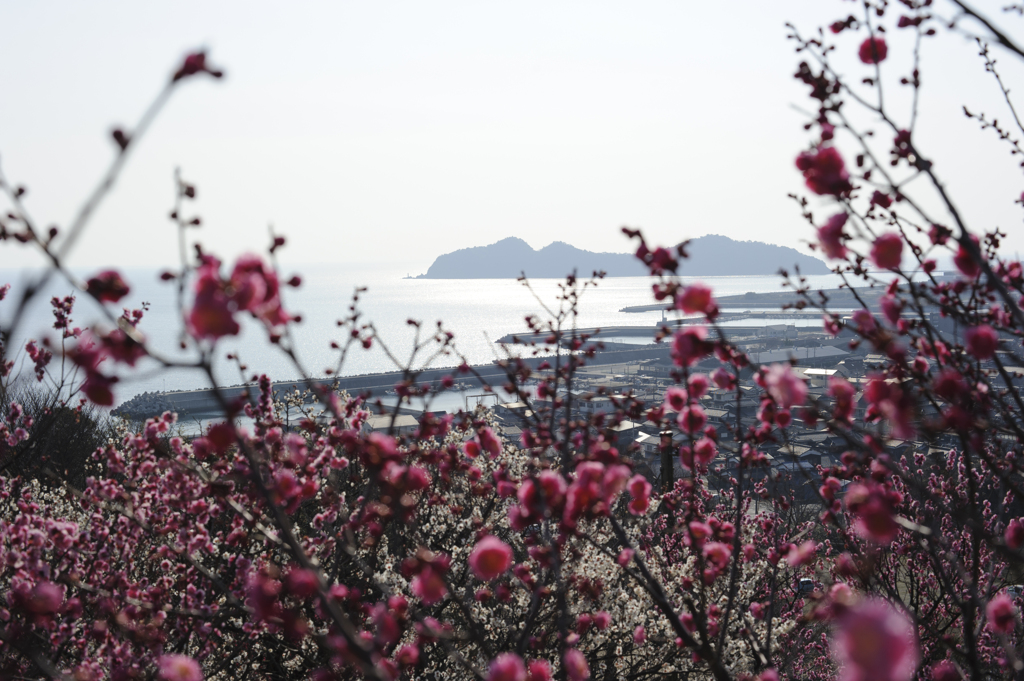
{"x":768,"y":302}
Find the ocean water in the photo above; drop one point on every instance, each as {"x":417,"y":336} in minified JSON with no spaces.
{"x":477,"y":311}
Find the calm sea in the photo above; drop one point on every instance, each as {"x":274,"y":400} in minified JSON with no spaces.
{"x":477,"y":311}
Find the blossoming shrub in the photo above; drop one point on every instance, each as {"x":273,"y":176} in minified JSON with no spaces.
{"x":315,"y":548}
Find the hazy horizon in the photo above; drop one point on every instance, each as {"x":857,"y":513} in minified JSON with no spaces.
{"x":395,"y":132}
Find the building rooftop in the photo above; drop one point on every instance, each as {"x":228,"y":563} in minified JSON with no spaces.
{"x":784,"y":355}
{"x":383,"y":421}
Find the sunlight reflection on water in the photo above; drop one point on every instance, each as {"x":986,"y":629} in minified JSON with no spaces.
{"x":478,"y":311}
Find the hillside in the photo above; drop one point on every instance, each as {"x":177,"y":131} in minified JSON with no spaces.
{"x":710,"y":255}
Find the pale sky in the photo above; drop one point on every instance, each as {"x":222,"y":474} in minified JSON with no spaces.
{"x":394,"y":131}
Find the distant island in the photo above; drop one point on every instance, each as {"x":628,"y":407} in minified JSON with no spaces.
{"x":710,"y":255}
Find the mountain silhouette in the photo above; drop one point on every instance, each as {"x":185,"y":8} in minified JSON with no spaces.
{"x":710,"y":255}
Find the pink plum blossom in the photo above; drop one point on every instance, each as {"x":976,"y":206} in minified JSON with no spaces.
{"x":875,"y":642}
{"x":880,"y":199}
{"x":676,"y":398}
{"x":939,"y":235}
{"x":802,"y":554}
{"x":692,"y":419}
{"x":700,"y":530}
{"x":891,"y":308}
{"x":723,"y":378}
{"x":875,"y":516}
{"x":704,"y":451}
{"x":945,"y":671}
{"x":408,"y":656}
{"x":490,"y":558}
{"x":698,"y":385}
{"x":178,"y":668}
{"x":107,"y":286}
{"x":981,"y":341}
{"x":825,"y":171}
{"x":1002,"y":614}
{"x":1014,"y":534}
{"x":831,"y":237}
{"x":690,"y":345}
{"x":965,"y":262}
{"x":640,"y":490}
{"x":873,"y":50}
{"x":843,"y":392}
{"x":507,"y":667}
{"x":429,"y":585}
{"x":212,"y":314}
{"x":865,"y":321}
{"x":45,"y":598}
{"x":193,"y":64}
{"x":257,"y":290}
{"x":887,"y":251}
{"x":718,"y":553}
{"x":489,"y":442}
{"x":784,"y":386}
{"x":697,"y":298}
{"x":539,"y":670}
{"x":575,"y":665}
{"x":890,"y":401}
